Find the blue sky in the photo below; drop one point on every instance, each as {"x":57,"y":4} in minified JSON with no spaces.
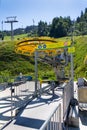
{"x":45,"y":10}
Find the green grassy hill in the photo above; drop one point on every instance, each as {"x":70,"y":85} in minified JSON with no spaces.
{"x":80,"y":53}
{"x":12,"y":63}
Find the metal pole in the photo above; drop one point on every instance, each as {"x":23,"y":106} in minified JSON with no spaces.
{"x":72,"y":74}
{"x":12,"y":38}
{"x":2,"y":26}
{"x":36,"y":70}
{"x":72,"y":65}
{"x":11,"y":103}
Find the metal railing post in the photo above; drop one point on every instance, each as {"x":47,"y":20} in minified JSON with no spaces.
{"x":54,"y":118}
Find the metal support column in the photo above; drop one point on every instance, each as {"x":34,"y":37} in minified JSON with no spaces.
{"x":72,"y":73}
{"x":12,"y":37}
{"x":36,"y":70}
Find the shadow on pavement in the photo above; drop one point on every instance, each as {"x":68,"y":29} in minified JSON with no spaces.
{"x":27,"y":122}
{"x":83,"y":117}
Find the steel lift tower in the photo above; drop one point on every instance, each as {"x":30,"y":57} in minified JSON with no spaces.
{"x":11,"y":20}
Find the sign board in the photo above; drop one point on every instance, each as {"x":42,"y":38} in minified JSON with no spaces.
{"x":59,"y":44}
{"x":71,"y":49}
{"x":48,"y":45}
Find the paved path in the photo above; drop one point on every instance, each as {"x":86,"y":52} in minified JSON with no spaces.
{"x":21,"y":92}
{"x":37,"y":111}
{"x":35,"y":114}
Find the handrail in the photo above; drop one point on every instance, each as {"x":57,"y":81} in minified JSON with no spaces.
{"x":46,"y":123}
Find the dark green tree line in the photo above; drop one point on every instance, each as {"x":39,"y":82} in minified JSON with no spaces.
{"x":59,"y":27}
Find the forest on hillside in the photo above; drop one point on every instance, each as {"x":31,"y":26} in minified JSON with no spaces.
{"x":59,"y":27}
